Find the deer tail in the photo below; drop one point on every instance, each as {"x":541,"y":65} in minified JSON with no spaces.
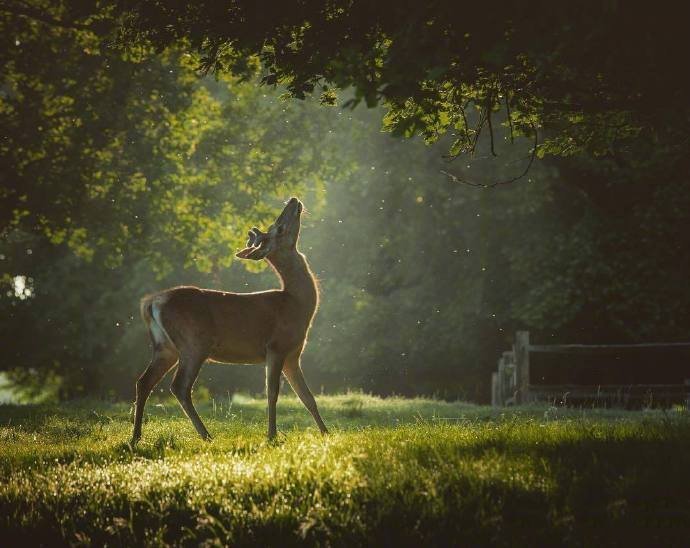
{"x":150,"y":309}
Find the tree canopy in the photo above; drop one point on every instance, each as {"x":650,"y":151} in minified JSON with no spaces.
{"x":592,"y":75}
{"x":113,"y":151}
{"x":124,"y":168}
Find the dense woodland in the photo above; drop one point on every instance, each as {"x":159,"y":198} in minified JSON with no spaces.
{"x":140,"y":140}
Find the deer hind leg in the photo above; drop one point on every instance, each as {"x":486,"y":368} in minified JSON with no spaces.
{"x":274,"y":365}
{"x":162,"y":361}
{"x":186,"y":374}
{"x":294,"y":375}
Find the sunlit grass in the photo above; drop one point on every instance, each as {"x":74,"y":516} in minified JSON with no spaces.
{"x":392,"y":471}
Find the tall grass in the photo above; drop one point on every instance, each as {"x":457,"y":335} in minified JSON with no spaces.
{"x":393,"y":472}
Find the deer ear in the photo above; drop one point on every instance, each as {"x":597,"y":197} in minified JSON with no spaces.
{"x":245,"y":253}
{"x":253,"y":253}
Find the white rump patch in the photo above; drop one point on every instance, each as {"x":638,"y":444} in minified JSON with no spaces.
{"x":157,"y":329}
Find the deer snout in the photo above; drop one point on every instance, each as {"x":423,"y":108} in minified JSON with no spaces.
{"x":300,"y":206}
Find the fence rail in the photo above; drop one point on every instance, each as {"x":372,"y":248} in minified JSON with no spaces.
{"x":598,"y":348}
{"x":510,"y":384}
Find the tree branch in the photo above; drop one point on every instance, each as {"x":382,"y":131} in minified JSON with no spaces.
{"x":464,"y":121}
{"x":533,"y":155}
{"x":30,"y":12}
{"x":491,"y":127}
{"x":510,"y":121}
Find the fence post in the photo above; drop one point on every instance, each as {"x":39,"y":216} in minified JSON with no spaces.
{"x":522,"y":365}
{"x":501,"y":382}
{"x":494,"y":390}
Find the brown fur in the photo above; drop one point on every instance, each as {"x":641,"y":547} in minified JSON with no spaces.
{"x":194,"y":325}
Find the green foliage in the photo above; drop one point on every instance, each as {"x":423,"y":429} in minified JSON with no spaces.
{"x":448,"y":67}
{"x":123,"y":171}
{"x":116,"y":154}
{"x":420,"y":471}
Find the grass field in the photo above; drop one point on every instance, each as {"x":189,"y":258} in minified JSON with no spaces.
{"x":392,"y":472}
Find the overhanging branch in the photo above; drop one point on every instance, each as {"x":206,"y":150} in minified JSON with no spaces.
{"x":30,"y":12}
{"x":467,"y":182}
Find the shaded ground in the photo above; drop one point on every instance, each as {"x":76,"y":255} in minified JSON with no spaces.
{"x":393,"y":472}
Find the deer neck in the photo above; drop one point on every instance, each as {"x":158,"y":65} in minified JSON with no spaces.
{"x":296,"y":276}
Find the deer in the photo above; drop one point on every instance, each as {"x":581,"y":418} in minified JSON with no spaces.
{"x":188,"y":326}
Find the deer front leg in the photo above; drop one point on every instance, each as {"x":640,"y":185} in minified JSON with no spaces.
{"x":295,"y":377}
{"x":274,"y":366}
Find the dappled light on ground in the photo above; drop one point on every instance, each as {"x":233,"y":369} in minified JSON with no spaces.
{"x":392,"y":470}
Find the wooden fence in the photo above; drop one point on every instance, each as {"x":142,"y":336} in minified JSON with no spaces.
{"x":511,"y":383}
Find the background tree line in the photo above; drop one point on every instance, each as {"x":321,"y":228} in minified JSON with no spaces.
{"x":123,"y":171}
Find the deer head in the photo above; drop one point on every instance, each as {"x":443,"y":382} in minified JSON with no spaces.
{"x":281,"y":235}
